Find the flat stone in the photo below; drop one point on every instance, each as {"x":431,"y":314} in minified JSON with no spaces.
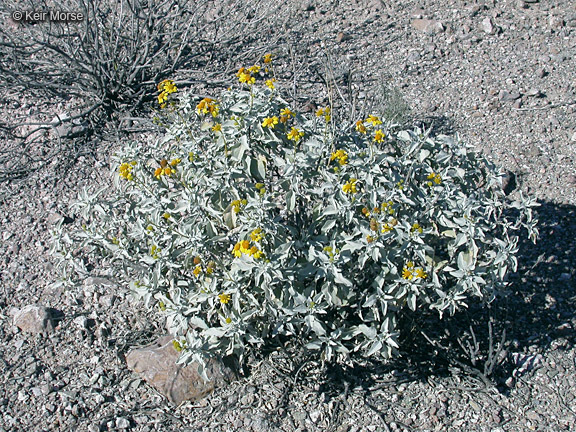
{"x":34,"y":319}
{"x":156,"y":364}
{"x":428,"y":26}
{"x":487,"y":26}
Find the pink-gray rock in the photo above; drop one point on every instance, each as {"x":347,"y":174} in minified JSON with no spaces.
{"x":487,"y":26}
{"x":156,"y":364}
{"x":428,"y":26}
{"x":33,"y":319}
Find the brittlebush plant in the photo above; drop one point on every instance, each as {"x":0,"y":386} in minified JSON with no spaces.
{"x":248,"y":220}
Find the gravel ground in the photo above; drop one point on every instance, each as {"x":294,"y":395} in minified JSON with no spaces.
{"x":499,"y":73}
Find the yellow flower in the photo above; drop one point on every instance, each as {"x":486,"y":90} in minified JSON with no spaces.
{"x":224,"y":298}
{"x":217,"y":128}
{"x":236,"y":251}
{"x":207,"y":105}
{"x":365,"y":211}
{"x":267,"y":58}
{"x":407,"y":274}
{"x":175,"y":162}
{"x":254,"y":69}
{"x":360,"y":127}
{"x":270,"y":83}
{"x":167,"y":86}
{"x":373,"y":120}
{"x":388,"y":207}
{"x":210,"y":267}
{"x":270,"y":122}
{"x":350,"y":186}
{"x":341,"y":155}
{"x":167,"y":171}
{"x":177,"y":345}
{"x":256,"y":235}
{"x":421,"y":273}
{"x":125,"y":170}
{"x":379,"y":136}
{"x":295,"y":134}
{"x":228,"y":320}
{"x":166,"y":216}
{"x":245,"y":246}
{"x":416,"y":227}
{"x":244,"y":76}
{"x":285,"y":115}
{"x":324,"y":112}
{"x":386,"y":228}
{"x":434,"y":178}
{"x":369,"y":239}
{"x":197,"y":270}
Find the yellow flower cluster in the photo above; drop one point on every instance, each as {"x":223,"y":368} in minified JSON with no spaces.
{"x":246,"y":76}
{"x":125,"y":170}
{"x":267,"y":58}
{"x":154,"y":251}
{"x":198,"y":269}
{"x":360,"y":127}
{"x":270,"y":83}
{"x":416,"y":228}
{"x":434,"y":178}
{"x":270,"y":122}
{"x":256,"y":235}
{"x":285,"y":115}
{"x":207,"y":105}
{"x":341,"y":155}
{"x":261,"y":188}
{"x":243,"y":247}
{"x":324,"y":112}
{"x":165,"y":88}
{"x":217,"y":127}
{"x":373,"y":121}
{"x":409,"y":272}
{"x":331,"y":252}
{"x":166,"y":168}
{"x":237,"y":204}
{"x":350,"y":186}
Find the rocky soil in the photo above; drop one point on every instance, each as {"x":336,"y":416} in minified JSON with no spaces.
{"x":498,"y":73}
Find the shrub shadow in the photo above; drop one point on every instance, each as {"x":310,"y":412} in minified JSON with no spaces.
{"x":538,"y":309}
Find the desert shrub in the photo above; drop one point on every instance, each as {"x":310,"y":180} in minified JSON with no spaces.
{"x":109,"y":57}
{"x":248,"y":220}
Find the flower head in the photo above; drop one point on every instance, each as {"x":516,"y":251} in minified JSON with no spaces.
{"x":295,"y":134}
{"x":285,"y":115}
{"x":207,"y":105}
{"x":270,"y":83}
{"x":267,"y":58}
{"x":270,"y":122}
{"x":341,"y":155}
{"x":256,"y":235}
{"x":379,"y":136}
{"x":224,"y":298}
{"x":360,"y":127}
{"x":125,"y":170}
{"x":350,"y":186}
{"x":373,"y":120}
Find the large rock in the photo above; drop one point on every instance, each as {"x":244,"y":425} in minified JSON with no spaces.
{"x":156,"y":364}
{"x":428,"y":26}
{"x":33,"y":319}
